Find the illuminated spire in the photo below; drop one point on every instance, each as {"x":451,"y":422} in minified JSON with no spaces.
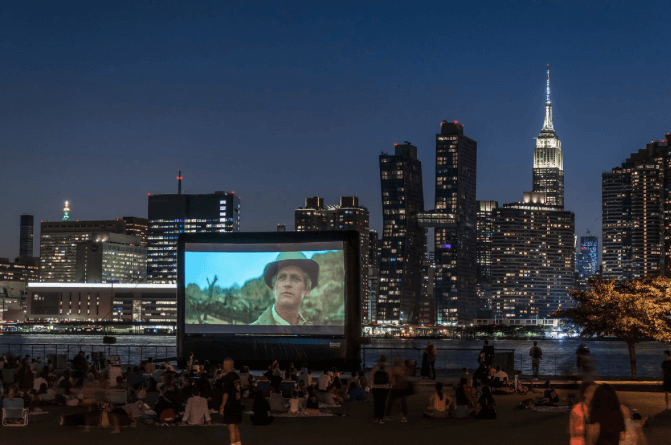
{"x":66,"y":211}
{"x":547,"y":124}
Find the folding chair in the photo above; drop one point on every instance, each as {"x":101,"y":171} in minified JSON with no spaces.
{"x":287,"y":387}
{"x":14,"y":415}
{"x":264,"y":387}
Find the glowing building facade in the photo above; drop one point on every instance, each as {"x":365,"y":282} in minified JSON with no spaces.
{"x":403,"y":240}
{"x":349,"y":215}
{"x":172,"y":214}
{"x":548,"y":172}
{"x":636,"y":215}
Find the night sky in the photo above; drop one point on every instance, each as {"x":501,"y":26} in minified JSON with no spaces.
{"x":102,"y":103}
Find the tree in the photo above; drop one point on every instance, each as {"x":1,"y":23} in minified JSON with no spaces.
{"x":630,"y":310}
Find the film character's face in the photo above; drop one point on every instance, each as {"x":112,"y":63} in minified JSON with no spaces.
{"x":290,"y":287}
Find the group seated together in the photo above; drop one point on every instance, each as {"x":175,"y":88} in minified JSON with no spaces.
{"x":159,"y":393}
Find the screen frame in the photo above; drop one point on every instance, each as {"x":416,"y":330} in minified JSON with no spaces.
{"x":251,"y":347}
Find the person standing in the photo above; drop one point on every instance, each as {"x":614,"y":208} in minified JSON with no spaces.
{"x":536,"y":354}
{"x":431,"y":357}
{"x":381,"y":383}
{"x":666,"y":376}
{"x":580,"y":414}
{"x":231,"y":405}
{"x":487,"y":355}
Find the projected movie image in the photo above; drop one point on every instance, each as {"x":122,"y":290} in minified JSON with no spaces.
{"x":293,"y":292}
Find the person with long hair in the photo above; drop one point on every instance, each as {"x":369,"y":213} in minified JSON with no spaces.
{"x":439,"y":403}
{"x":606,"y":420}
{"x":580,"y":413}
{"x":487,"y":404}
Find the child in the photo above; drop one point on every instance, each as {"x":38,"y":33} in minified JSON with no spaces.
{"x":332,"y":397}
{"x":294,"y":402}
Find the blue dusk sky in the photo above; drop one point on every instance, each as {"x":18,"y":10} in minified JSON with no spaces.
{"x":103,"y":102}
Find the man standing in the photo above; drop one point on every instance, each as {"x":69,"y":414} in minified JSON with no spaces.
{"x":487,"y":355}
{"x":381,"y":378}
{"x":231,"y":404}
{"x":536,"y":354}
{"x":431,"y":356}
{"x":291,"y":277}
{"x":666,"y":375}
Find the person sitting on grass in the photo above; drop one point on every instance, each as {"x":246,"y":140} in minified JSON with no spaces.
{"x":487,"y":405}
{"x":439,"y":403}
{"x":312,"y":403}
{"x":276,"y":401}
{"x":196,"y":412}
{"x":356,"y":392}
{"x":261,"y":409}
{"x":550,"y":396}
{"x":295,"y":403}
{"x":332,"y":396}
{"x":464,"y":400}
{"x":499,"y":378}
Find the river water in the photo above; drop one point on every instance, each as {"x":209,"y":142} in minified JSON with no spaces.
{"x":611,"y":357}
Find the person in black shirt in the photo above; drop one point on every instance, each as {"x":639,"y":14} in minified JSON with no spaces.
{"x":666,"y":375}
{"x":261,"y":410}
{"x":231,"y":406}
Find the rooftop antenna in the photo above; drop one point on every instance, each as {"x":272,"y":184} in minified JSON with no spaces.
{"x":179,"y":183}
{"x":66,"y":211}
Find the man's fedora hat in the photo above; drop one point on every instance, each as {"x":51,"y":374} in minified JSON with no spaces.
{"x":291,"y":259}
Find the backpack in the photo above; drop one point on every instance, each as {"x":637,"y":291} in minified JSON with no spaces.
{"x":381,"y":377}
{"x":536,"y":352}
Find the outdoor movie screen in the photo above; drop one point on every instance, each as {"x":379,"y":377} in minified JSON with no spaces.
{"x":264,"y":289}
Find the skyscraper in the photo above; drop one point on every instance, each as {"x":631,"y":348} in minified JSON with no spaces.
{"x":403,"y":240}
{"x":26,"y":237}
{"x":587,"y":258}
{"x":374,"y":250}
{"x":548,"y":173}
{"x":349,"y":215}
{"x":170,"y":214}
{"x":636,"y":223}
{"x":533,"y":241}
{"x":484,"y":254}
{"x":454,"y":220}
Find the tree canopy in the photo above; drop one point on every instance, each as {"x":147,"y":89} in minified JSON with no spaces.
{"x":630,"y":310}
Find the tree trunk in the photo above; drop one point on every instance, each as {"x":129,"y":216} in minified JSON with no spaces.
{"x":632,"y":358}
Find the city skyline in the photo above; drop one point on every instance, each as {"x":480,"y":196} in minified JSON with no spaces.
{"x":287,"y":103}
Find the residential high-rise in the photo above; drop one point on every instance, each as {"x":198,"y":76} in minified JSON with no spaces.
{"x":403,"y":240}
{"x":58,"y":245}
{"x":484,"y":255}
{"x":349,"y":215}
{"x":172,"y":214}
{"x":454,"y":221}
{"x":532,"y":258}
{"x":374,"y":251}
{"x":548,"y":173}
{"x":587,"y":257}
{"x":636,"y":223}
{"x":26,"y":236}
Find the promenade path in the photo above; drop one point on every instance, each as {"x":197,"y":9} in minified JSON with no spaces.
{"x":519,"y":427}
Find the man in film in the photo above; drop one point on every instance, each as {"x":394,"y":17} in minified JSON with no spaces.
{"x":291,"y":277}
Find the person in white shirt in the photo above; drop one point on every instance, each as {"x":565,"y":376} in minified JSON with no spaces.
{"x":500,"y":377}
{"x":38,"y":382}
{"x":295,"y":402}
{"x":196,"y":412}
{"x":324,"y":381}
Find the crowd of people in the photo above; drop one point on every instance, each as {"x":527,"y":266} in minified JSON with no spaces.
{"x":193,"y":395}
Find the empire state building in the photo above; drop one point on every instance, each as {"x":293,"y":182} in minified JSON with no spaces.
{"x":548,"y":173}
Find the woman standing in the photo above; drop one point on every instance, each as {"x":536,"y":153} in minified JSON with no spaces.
{"x":606,"y":422}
